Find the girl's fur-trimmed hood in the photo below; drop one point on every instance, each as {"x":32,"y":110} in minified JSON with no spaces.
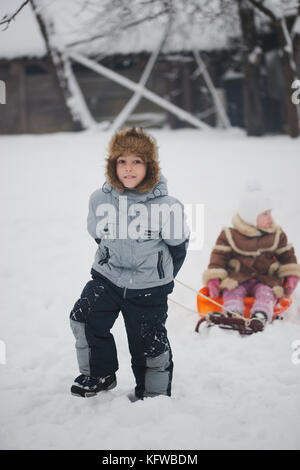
{"x":249,"y":230}
{"x":133,"y":141}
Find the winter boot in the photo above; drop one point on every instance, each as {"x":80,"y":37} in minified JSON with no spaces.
{"x":86,"y":386}
{"x":258,"y":321}
{"x":132,"y":397}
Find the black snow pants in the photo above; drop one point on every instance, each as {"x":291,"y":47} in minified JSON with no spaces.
{"x":145,"y":314}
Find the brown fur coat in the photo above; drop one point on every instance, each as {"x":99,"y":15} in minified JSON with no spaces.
{"x":244,"y":252}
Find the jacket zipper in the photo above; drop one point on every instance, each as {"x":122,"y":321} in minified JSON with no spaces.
{"x":124,"y":294}
{"x":160,"y":268}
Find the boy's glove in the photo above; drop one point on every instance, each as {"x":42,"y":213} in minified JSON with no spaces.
{"x":214,"y":288}
{"x":291,"y":284}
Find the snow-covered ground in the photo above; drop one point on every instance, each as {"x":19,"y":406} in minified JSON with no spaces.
{"x":229,"y":392}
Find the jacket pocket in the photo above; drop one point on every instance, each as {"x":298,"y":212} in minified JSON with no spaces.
{"x":160,"y":269}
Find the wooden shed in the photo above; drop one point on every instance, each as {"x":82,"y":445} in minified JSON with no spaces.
{"x":34,"y":102}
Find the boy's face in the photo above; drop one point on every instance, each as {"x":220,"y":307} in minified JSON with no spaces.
{"x":131,"y":170}
{"x":264,"y":220}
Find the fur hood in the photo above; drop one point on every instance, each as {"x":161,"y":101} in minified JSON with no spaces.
{"x":135,"y":141}
{"x":250,"y":230}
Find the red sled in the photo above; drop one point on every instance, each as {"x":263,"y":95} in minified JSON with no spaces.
{"x":205,"y":306}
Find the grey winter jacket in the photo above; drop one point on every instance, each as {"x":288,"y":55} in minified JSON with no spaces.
{"x":142,"y":238}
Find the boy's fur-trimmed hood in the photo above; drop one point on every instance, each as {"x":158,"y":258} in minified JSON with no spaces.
{"x":133,"y":141}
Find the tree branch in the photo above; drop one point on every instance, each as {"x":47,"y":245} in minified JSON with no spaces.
{"x":259,"y":5}
{"x":126,"y":26}
{"x":8,"y":18}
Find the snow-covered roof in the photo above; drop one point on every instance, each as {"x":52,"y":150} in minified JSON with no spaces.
{"x":282,"y":8}
{"x":73,"y":23}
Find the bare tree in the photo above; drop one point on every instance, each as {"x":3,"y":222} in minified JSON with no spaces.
{"x":61,"y":65}
{"x":8,"y":18}
{"x":286,"y":49}
{"x":253,"y":108}
{"x":295,"y":33}
{"x":62,"y":69}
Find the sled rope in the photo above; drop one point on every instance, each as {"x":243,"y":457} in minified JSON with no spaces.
{"x":233,"y":314}
{"x":183,"y":306}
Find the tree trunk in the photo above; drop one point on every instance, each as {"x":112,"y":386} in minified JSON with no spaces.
{"x":290,"y":75}
{"x":296,"y":42}
{"x":288,"y":64}
{"x":253,"y":108}
{"x":173,"y":90}
{"x":63,"y":72}
{"x":296,"y":47}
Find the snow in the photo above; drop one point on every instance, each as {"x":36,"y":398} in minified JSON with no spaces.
{"x":282,"y":8}
{"x":296,"y":26}
{"x":229,"y":392}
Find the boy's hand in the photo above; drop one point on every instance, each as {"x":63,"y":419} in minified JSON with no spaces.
{"x":214,"y":288}
{"x":291,"y":284}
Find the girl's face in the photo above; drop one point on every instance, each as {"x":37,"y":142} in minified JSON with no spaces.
{"x":131,"y":170}
{"x":264,"y":220}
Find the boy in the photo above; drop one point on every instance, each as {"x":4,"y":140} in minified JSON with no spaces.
{"x":142,"y":242}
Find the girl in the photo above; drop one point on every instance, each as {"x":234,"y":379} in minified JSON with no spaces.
{"x":137,"y":259}
{"x":252,"y":258}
